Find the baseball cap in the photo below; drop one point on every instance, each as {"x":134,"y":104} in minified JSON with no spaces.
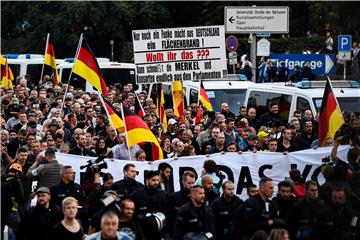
{"x":252,"y":136}
{"x":43,"y":190}
{"x":262,"y":134}
{"x":172,"y":121}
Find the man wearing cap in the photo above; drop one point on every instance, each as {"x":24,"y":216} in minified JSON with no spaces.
{"x":262,"y":144}
{"x":172,"y":126}
{"x":149,"y":201}
{"x":38,"y":222}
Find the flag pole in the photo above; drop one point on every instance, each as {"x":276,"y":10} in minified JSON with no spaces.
{"x":6,"y":74}
{"x":76,"y":56}
{"x":199,"y":94}
{"x":43,"y":65}
{"x":107,"y":112}
{"x":126,"y":136}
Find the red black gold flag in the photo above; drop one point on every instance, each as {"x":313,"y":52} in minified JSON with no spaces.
{"x":87,"y":67}
{"x":330,"y":119}
{"x":138,"y":132}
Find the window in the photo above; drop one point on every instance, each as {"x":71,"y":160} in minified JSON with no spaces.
{"x":302,"y":104}
{"x":15,"y":68}
{"x":194,"y":96}
{"x":261,"y":100}
{"x":35,"y":72}
{"x":234,"y":97}
{"x":346,"y":103}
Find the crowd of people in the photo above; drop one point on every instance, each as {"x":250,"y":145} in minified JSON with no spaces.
{"x":37,"y":122}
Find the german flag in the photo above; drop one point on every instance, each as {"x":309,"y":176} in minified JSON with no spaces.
{"x":88,"y":68}
{"x":50,"y":61}
{"x":114,"y":116}
{"x":138,"y":108}
{"x":138,"y":132}
{"x":7,"y":76}
{"x":160,"y":106}
{"x":330,"y":119}
{"x":178,"y":99}
{"x":204,"y":98}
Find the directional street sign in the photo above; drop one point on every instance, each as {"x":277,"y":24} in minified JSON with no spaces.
{"x":344,"y":43}
{"x":256,"y":19}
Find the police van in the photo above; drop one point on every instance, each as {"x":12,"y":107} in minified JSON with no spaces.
{"x":290,"y":97}
{"x":112,"y":72}
{"x":22,"y":64}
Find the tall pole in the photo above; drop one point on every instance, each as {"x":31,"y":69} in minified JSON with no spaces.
{"x":76,"y":56}
{"x":126,"y":133}
{"x":253,"y":55}
{"x":42,"y":69}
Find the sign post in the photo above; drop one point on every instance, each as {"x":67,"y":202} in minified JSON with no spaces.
{"x":179,"y":54}
{"x":232,"y":45}
{"x":256,"y":20}
{"x":344,"y":49}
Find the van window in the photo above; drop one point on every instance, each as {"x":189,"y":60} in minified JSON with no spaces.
{"x":122,"y":75}
{"x":261,"y":100}
{"x":234,"y":97}
{"x":111,"y":76}
{"x":302,"y":104}
{"x":15,"y":68}
{"x":167,"y":95}
{"x":35,"y":71}
{"x":194,"y":96}
{"x":346,"y":103}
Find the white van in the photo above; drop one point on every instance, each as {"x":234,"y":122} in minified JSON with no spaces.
{"x":113,"y":72}
{"x":300,"y":96}
{"x":22,"y":64}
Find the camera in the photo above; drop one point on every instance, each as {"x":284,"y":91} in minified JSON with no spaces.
{"x":95,"y":165}
{"x":326,"y":160}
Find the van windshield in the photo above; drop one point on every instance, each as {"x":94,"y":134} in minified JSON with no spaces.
{"x":346,"y":103}
{"x":234,"y":97}
{"x":111,"y":76}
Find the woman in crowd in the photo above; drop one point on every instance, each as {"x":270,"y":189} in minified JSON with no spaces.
{"x":101,"y":148}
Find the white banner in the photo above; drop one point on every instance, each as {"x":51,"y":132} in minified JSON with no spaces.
{"x":179,"y":54}
{"x":242,"y":169}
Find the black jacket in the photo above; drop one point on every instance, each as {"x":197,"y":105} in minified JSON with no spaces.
{"x":337,"y":223}
{"x":267,"y":119}
{"x":224,"y":211}
{"x":302,"y":219}
{"x":191,"y":219}
{"x":148,"y":201}
{"x":37,"y":224}
{"x":126,"y":187}
{"x":83,"y":152}
{"x":61,"y":190}
{"x":256,"y":215}
{"x":282,"y":210}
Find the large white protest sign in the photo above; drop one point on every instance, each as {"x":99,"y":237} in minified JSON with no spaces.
{"x":242,"y":169}
{"x":179,"y":54}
